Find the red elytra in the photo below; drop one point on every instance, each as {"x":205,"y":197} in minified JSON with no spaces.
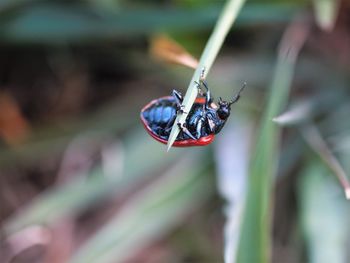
{"x":179,"y":143}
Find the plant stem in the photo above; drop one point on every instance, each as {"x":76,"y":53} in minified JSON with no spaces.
{"x":255,"y":237}
{"x":313,"y":137}
{"x":223,"y":25}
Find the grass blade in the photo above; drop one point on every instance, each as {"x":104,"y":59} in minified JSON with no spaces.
{"x":86,"y":190}
{"x":7,"y":5}
{"x":149,"y":215}
{"x":223,"y":25}
{"x":326,"y":13}
{"x":298,"y":114}
{"x":255,"y":234}
{"x":303,"y":111}
{"x":232,"y":154}
{"x":314,"y":139}
{"x":324,"y":215}
{"x":53,"y":23}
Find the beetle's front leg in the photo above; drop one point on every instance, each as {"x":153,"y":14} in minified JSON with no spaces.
{"x":178,"y":99}
{"x":206,"y":93}
{"x":199,"y":89}
{"x":184,"y":129}
{"x":208,"y":97}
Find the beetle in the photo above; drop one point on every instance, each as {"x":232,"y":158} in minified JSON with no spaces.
{"x":205,"y":119}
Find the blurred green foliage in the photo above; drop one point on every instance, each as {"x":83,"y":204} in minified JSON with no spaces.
{"x":143,"y":205}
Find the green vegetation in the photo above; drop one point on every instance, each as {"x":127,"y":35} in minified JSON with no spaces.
{"x":82,"y":181}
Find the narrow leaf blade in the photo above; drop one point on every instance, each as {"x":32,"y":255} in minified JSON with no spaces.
{"x":255,"y":243}
{"x":223,"y":25}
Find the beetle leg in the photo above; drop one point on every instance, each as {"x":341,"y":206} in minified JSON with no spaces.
{"x":206,"y":93}
{"x":199,"y":128}
{"x":170,"y":124}
{"x":178,"y":99}
{"x":211,"y":123}
{"x":198,"y":85}
{"x":208,"y":97}
{"x":181,"y":109}
{"x":185,"y":130}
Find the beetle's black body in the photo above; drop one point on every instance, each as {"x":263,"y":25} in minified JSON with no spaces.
{"x":203,"y":121}
{"x":161,"y":115}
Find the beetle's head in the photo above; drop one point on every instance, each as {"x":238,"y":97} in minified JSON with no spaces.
{"x":225,"y":107}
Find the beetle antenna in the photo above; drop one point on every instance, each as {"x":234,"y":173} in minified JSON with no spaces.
{"x":238,"y":94}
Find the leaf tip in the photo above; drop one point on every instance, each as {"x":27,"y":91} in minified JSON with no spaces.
{"x":275,"y":119}
{"x":347,"y":193}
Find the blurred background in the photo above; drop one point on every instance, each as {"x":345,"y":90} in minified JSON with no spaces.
{"x":82,"y":181}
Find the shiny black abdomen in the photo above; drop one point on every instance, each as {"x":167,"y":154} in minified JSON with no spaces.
{"x":161,"y":114}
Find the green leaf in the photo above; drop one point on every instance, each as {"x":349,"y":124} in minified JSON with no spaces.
{"x":53,"y":138}
{"x":91,"y":188}
{"x":324,"y":215}
{"x":211,"y":50}
{"x":255,"y":243}
{"x":232,"y":150}
{"x":317,"y":143}
{"x":54,"y":23}
{"x":6,"y":5}
{"x":326,"y":12}
{"x":150,"y":214}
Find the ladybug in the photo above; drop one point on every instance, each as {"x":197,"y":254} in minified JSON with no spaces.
{"x":204,"y":120}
